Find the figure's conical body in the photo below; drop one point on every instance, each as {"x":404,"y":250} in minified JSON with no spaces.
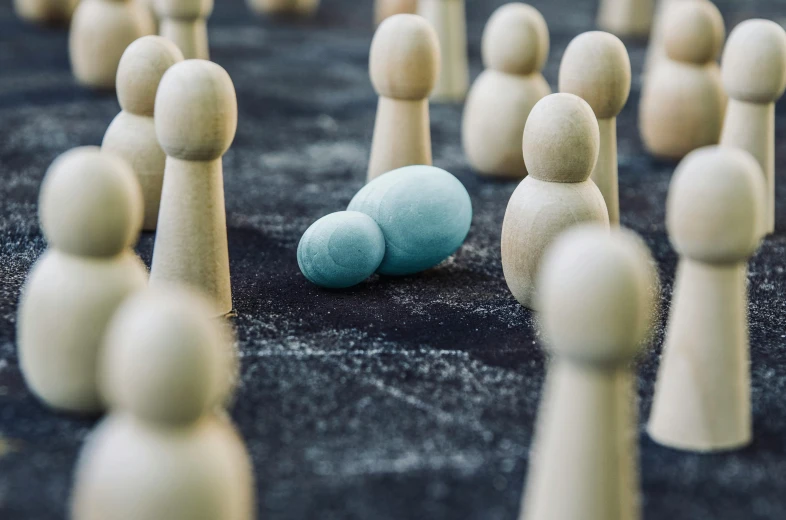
{"x":184,"y":22}
{"x":450,"y":22}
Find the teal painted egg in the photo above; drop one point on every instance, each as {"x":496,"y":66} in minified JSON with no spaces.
{"x":424,"y":213}
{"x":341,"y":250}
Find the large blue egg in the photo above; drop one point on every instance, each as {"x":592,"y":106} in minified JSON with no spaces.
{"x":424,"y":212}
{"x":341,"y":250}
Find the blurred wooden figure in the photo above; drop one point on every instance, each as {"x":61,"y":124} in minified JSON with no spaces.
{"x":284,"y":7}
{"x":515,"y":48}
{"x":596,"y":67}
{"x":450,"y":22}
{"x":403,"y":76}
{"x":384,"y":9}
{"x":185,"y":23}
{"x":626,"y":18}
{"x":754,"y":76}
{"x":45,"y":12}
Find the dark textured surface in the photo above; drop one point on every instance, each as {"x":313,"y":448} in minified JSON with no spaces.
{"x":402,"y":398}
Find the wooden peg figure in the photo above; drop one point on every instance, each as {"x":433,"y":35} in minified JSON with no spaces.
{"x":626,"y":18}
{"x":754,"y":76}
{"x":100,"y":32}
{"x":384,"y":9}
{"x":132,"y":134}
{"x":597,"y":304}
{"x":403,"y":76}
{"x":596,"y":67}
{"x":449,"y":19}
{"x":284,"y":7}
{"x":167,"y":449}
{"x":90,"y":209}
{"x":45,"y":12}
{"x":185,"y":23}
{"x":196,"y":120}
{"x":714,"y":216}
{"x":683,"y":102}
{"x":560,"y":146}
{"x":515,"y":48}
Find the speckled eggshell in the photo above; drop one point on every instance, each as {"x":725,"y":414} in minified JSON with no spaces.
{"x":341,"y":250}
{"x":424,"y":212}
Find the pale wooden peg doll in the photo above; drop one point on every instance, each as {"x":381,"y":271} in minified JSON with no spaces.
{"x":754,"y":76}
{"x":515,"y":48}
{"x":714,"y":213}
{"x":403,"y":76}
{"x":196,"y":121}
{"x":90,"y":209}
{"x":185,"y":23}
{"x":597,"y":301}
{"x":560,"y":146}
{"x":683,"y":102}
{"x":449,"y":19}
{"x":626,"y":18}
{"x":284,"y":7}
{"x":45,"y":12}
{"x":384,"y":9}
{"x":132,"y":134}
{"x":596,"y":67}
{"x":167,"y":449}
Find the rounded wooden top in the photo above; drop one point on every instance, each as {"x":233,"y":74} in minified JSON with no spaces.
{"x":404,"y":59}
{"x":561,"y":139}
{"x":141,"y":68}
{"x":754,"y":62}
{"x":596,"y":67}
{"x":90,"y":203}
{"x":183,"y":9}
{"x":516,"y":40}
{"x":715,"y":206}
{"x":598,"y":292}
{"x":196,"y":111}
{"x":164,"y":358}
{"x":694,"y":31}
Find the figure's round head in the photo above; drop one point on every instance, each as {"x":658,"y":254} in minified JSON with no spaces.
{"x":90,"y":203}
{"x":754,"y":62}
{"x":183,"y":9}
{"x":141,"y":68}
{"x":516,"y":40}
{"x":598,"y":293}
{"x":561,"y":139}
{"x":404,"y":59}
{"x":196,"y":111}
{"x":596,"y":67}
{"x":166,"y":357}
{"x":715,"y":206}
{"x":694,"y":31}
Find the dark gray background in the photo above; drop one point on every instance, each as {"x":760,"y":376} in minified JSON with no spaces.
{"x":402,"y":398}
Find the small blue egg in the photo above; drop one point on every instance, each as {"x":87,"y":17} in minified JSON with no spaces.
{"x":341,"y":250}
{"x":424,"y":212}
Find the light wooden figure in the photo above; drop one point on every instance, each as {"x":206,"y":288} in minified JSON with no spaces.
{"x":384,"y":9}
{"x":754,"y":76}
{"x":597,"y":304}
{"x":449,"y":19}
{"x":185,"y":23}
{"x":100,"y":32}
{"x":132,"y":134}
{"x":714,"y":215}
{"x":196,"y":121}
{"x":560,"y":148}
{"x":403,"y":65}
{"x":683,"y":102}
{"x":626,"y":18}
{"x":284,"y":7}
{"x":166,"y":450}
{"x":45,"y":12}
{"x":515,"y":48}
{"x":596,"y":67}
{"x":90,"y":209}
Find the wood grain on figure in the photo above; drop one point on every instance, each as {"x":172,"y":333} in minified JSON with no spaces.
{"x":560,"y":144}
{"x":284,"y":7}
{"x":196,"y":121}
{"x":596,"y":67}
{"x":167,"y":449}
{"x":132,"y":134}
{"x":45,"y":12}
{"x":90,"y":209}
{"x":185,"y":23}
{"x":683,"y":102}
{"x":100,"y":32}
{"x":597,"y":303}
{"x":449,"y":19}
{"x":403,"y":65}
{"x":714,"y":214}
{"x":515,"y":48}
{"x":754,"y":76}
{"x":626,"y":18}
{"x":384,"y":9}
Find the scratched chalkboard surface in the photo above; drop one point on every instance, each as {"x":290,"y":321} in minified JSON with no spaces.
{"x":404,"y":399}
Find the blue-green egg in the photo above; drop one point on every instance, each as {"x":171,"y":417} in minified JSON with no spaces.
{"x":341,"y":250}
{"x":424,"y":213}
